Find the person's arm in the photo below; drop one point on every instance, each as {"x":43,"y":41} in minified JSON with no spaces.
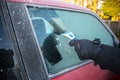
{"x":107,"y":57}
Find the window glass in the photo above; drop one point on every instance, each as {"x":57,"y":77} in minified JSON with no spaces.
{"x":8,"y":62}
{"x":51,"y":26}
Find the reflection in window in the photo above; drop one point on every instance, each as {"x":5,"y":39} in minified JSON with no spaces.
{"x":8,"y":62}
{"x":58,"y":54}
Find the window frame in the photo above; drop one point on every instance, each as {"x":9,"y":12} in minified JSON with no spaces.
{"x":115,"y":40}
{"x":7,"y":23}
{"x":24,"y":37}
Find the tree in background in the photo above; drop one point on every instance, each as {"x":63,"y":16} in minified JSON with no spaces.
{"x":111,"y":8}
{"x":92,"y":4}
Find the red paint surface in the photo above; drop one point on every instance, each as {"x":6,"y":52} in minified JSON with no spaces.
{"x":88,"y":72}
{"x":53,"y":3}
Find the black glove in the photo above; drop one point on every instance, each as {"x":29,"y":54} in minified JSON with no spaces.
{"x":86,"y":49}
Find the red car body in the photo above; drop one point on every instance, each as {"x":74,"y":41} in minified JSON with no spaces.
{"x":87,"y":71}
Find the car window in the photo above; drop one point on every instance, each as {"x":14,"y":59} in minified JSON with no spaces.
{"x":51,"y":27}
{"x":9,"y":66}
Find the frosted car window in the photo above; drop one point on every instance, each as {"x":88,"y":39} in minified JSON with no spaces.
{"x":85,"y":26}
{"x":42,"y":28}
{"x":57,"y":53}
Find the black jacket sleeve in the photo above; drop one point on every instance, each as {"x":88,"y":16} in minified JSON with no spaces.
{"x":109,"y":58}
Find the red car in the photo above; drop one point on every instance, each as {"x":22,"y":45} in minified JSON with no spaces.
{"x":34,"y":31}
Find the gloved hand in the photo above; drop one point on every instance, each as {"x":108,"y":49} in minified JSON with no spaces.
{"x":86,"y":49}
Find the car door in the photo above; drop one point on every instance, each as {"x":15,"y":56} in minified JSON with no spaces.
{"x":60,"y":60}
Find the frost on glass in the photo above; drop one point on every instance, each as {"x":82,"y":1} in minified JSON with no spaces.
{"x":57,"y":53}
